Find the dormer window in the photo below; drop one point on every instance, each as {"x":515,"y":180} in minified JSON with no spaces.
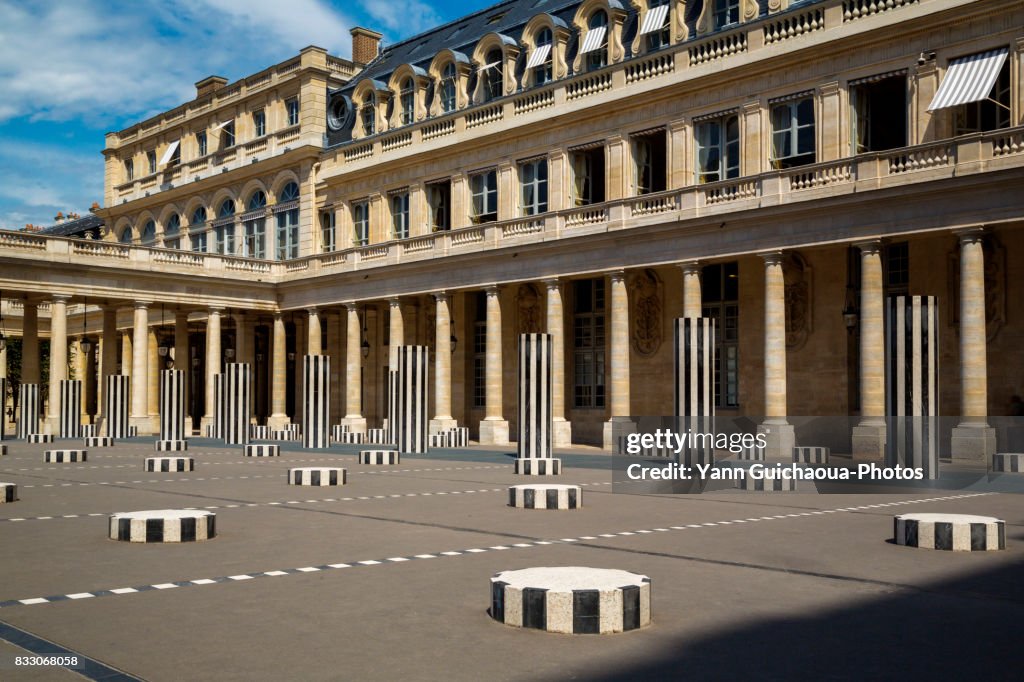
{"x":540,"y":58}
{"x":368,"y":115}
{"x":447,"y":89}
{"x":492,"y":73}
{"x":407,"y":101}
{"x":656,"y":25}
{"x":727,"y":12}
{"x":595,"y":42}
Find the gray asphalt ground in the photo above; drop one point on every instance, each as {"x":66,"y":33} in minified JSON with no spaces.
{"x":745,"y":586}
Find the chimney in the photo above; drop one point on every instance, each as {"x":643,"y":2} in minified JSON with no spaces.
{"x":365,"y":45}
{"x":59,"y":218}
{"x":210,"y":84}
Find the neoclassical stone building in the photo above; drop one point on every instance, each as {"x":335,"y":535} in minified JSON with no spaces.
{"x":591,"y":169}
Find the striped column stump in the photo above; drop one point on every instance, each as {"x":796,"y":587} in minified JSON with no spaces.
{"x":537,"y":466}
{"x":28,"y":410}
{"x":458,"y":437}
{"x":70,"y":422}
{"x":237,"y":385}
{"x":262,"y":450}
{"x":116,"y":399}
{"x":294,"y":429}
{"x":172,"y":409}
{"x":545,"y":496}
{"x":317,"y":476}
{"x":211,"y":430}
{"x":351,"y":438}
{"x":8,"y":492}
{"x":316,"y":413}
{"x":169,"y":464}
{"x":753,"y":453}
{"x":1008,"y":462}
{"x":259,"y":432}
{"x":133,"y":431}
{"x":535,"y":415}
{"x":337,"y":430}
{"x":171,"y":445}
{"x":572,"y":599}
{"x":377,"y":437}
{"x":3,"y":403}
{"x":163,"y":525}
{"x":379,"y":457}
{"x":99,"y":442}
{"x":90,"y":430}
{"x":281,"y":435}
{"x":3,"y":449}
{"x":956,"y":532}
{"x":40,"y":438}
{"x":810,"y":455}
{"x":766,"y":482}
{"x":438,"y":440}
{"x":64,"y":456}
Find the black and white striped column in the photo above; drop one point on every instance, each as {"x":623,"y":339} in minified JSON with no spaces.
{"x":317,"y":476}
{"x":956,"y":532}
{"x":116,"y":401}
{"x":336,"y":432}
{"x":28,"y":410}
{"x":912,"y":382}
{"x":172,"y":411}
{"x":379,"y":457}
{"x":236,"y":386}
{"x":70,"y":408}
{"x":392,"y":436}
{"x":535,"y":415}
{"x":694,"y":354}
{"x":1008,"y":462}
{"x":64,"y":456}
{"x":316,"y":414}
{"x":545,"y":496}
{"x":163,"y":525}
{"x":166,"y":464}
{"x":262,"y":450}
{"x":811,"y":455}
{"x":219,"y":408}
{"x":411,"y":399}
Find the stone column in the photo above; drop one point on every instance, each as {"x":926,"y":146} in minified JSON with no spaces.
{"x":354,"y":418}
{"x":443,"y":419}
{"x":213,"y":367}
{"x":692,"y":302}
{"x":82,"y":366}
{"x":279,"y":375}
{"x":396,"y":331}
{"x":108,"y":354}
{"x":778,"y":432}
{"x":618,"y":358}
{"x":126,"y":356}
{"x":30,"y":344}
{"x":139,"y":416}
{"x":869,"y":434}
{"x":301,"y":351}
{"x":183,"y":361}
{"x":494,"y":427}
{"x":58,"y":358}
{"x":314,"y":340}
{"x":561,"y":433}
{"x":973,"y":438}
{"x":243,"y":339}
{"x":333,"y":331}
{"x":154,"y":362}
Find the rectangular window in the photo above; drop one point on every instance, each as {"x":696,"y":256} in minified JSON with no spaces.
{"x":897,"y":268}
{"x":292,"y":107}
{"x":227,"y":136}
{"x":533,"y":179}
{"x":288,"y":234}
{"x":361,"y":223}
{"x":439,"y":199}
{"x":480,"y":351}
{"x":175,"y":155}
{"x":151,"y":161}
{"x":588,"y":343}
{"x":199,"y":242}
{"x":793,"y":133}
{"x":327,"y":231}
{"x":201,"y":144}
{"x":991,"y":113}
{"x":656,"y":25}
{"x":259,"y":123}
{"x":720,"y":291}
{"x":484,"y":197}
{"x":650,"y":167}
{"x":400,"y":215}
{"x":224,"y":239}
{"x":172,"y":243}
{"x":727,"y":12}
{"x":718,"y":149}
{"x":129,"y":170}
{"x":255,"y":238}
{"x":879,"y":114}
{"x":588,"y":176}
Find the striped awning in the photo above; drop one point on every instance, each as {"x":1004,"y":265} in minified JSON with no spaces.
{"x":538,"y":56}
{"x":969,"y":79}
{"x":594,"y":40}
{"x":654,"y":20}
{"x":169,"y":152}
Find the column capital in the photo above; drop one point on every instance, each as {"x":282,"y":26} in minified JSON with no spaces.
{"x":394,"y":301}
{"x":351,"y":306}
{"x":970,"y":235}
{"x":278,"y":315}
{"x":214,"y":309}
{"x":771,"y":257}
{"x":141,"y":305}
{"x":492,"y":289}
{"x":869,"y":246}
{"x":60,"y":298}
{"x":690,"y":266}
{"x":552,"y":282}
{"x":441,"y":296}
{"x":313,"y":310}
{"x":617,"y":275}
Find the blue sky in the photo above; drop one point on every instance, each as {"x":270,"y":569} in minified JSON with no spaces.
{"x":71,"y":71}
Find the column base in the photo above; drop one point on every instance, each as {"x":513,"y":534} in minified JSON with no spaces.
{"x":561,"y":434}
{"x":780,"y":439}
{"x":973,"y":443}
{"x":355,"y":424}
{"x":277,"y":421}
{"x":615,"y":427}
{"x":439,"y":424}
{"x":494,"y":432}
{"x":145,"y":426}
{"x":869,"y":442}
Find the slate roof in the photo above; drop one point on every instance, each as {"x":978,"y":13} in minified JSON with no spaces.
{"x":73,"y":228}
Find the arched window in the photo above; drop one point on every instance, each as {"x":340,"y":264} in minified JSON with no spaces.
{"x":493,"y":74}
{"x":126,"y":235}
{"x":407,"y":98}
{"x":289,"y":192}
{"x":149,"y":232}
{"x":368,"y":115}
{"x":447,"y":89}
{"x":227,"y":209}
{"x":540,"y":58}
{"x":198,"y":216}
{"x":256,"y":201}
{"x":173,"y":225}
{"x":595,"y":43}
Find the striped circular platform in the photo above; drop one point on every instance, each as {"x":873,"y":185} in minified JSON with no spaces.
{"x":379,"y":457}
{"x":64,"y":456}
{"x":572,"y":599}
{"x":99,"y":442}
{"x":171,"y":445}
{"x":956,"y":532}
{"x":163,"y":525}
{"x":545,"y":496}
{"x":537,"y":466}
{"x":317,"y":476}
{"x":262,"y":450}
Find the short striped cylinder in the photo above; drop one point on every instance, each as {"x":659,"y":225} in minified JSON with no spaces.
{"x":28,"y":410}
{"x":169,"y":464}
{"x":283,"y":435}
{"x":163,"y":525}
{"x":237,"y":402}
{"x":262,"y":450}
{"x":99,"y":442}
{"x":8,"y":492}
{"x":172,"y":405}
{"x":378,"y":437}
{"x":379,"y":457}
{"x":571,"y":599}
{"x":694,"y":355}
{"x":89,"y":430}
{"x":535,"y":415}
{"x":211,"y":430}
{"x":912,"y":383}
{"x":40,"y":438}
{"x":545,"y":496}
{"x":438,"y":440}
{"x":337,"y":430}
{"x":116,"y":399}
{"x":316,"y":414}
{"x":70,"y":424}
{"x":133,"y":431}
{"x":294,"y":429}
{"x":64,"y":456}
{"x":351,"y":438}
{"x":753,"y":453}
{"x":537,"y":466}
{"x":458,"y":437}
{"x":3,"y":449}
{"x":766,"y":480}
{"x":956,"y":532}
{"x":171,"y":445}
{"x":1008,"y":462}
{"x":410,"y":416}
{"x":389,"y":422}
{"x":219,"y":407}
{"x":810,"y":455}
{"x":317,"y":476}
{"x":259,"y":432}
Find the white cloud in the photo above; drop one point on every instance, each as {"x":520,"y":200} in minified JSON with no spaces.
{"x":406,"y":17}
